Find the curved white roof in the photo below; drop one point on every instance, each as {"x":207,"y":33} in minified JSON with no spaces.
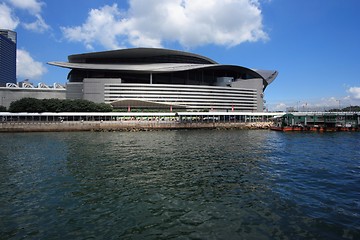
{"x":153,"y":60}
{"x":150,"y":68}
{"x":267,"y":75}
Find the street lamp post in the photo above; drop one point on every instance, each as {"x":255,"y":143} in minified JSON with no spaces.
{"x":339,"y":104}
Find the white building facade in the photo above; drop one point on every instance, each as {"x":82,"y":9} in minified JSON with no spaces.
{"x":163,"y":78}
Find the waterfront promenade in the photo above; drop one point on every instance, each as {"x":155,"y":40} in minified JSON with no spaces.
{"x":128,"y":121}
{"x":145,"y":121}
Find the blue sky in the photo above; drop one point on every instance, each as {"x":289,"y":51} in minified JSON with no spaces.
{"x":314,"y":44}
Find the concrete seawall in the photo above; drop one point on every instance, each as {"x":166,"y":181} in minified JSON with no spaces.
{"x":122,"y":126}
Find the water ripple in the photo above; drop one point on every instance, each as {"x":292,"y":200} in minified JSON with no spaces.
{"x":180,"y":184}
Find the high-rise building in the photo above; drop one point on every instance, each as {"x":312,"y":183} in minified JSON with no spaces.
{"x":7,"y":57}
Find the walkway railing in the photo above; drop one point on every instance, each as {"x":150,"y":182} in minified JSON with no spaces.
{"x":182,"y":117}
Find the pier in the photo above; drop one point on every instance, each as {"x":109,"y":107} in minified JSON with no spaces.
{"x":317,"y":121}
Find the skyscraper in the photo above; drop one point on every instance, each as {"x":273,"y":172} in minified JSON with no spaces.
{"x":7,"y":57}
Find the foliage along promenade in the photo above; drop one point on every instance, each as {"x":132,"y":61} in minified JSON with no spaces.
{"x":57,"y":105}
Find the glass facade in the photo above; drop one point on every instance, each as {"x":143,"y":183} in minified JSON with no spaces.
{"x":7,"y":57}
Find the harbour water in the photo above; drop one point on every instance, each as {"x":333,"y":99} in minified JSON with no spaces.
{"x":199,"y":184}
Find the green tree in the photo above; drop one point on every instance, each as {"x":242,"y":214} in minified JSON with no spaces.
{"x":27,"y":105}
{"x":51,"y":105}
{"x":347,"y":109}
{"x":57,"y":105}
{"x":351,"y":109}
{"x":103,"y":107}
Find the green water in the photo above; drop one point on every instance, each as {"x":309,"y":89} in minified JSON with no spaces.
{"x":180,"y":185}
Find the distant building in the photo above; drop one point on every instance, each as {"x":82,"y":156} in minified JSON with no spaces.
{"x":10,"y":90}
{"x":163,"y":78}
{"x":7,"y":57}
{"x":13,"y":92}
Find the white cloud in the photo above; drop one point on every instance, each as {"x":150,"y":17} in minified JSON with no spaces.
{"x":355,"y":92}
{"x":27,"y":67}
{"x":339,"y":102}
{"x":319,"y":104}
{"x":7,"y":19}
{"x":188,"y":22}
{"x":32,"y":6}
{"x":280,"y":107}
{"x":102,"y":25}
{"x":38,"y":26}
{"x":331,"y":101}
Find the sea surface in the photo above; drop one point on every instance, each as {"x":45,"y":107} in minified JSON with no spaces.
{"x":198,"y":184}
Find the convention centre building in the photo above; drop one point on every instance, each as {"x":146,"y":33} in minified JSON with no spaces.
{"x":153,"y":78}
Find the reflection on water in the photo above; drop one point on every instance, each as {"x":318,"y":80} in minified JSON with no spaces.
{"x":180,"y":184}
